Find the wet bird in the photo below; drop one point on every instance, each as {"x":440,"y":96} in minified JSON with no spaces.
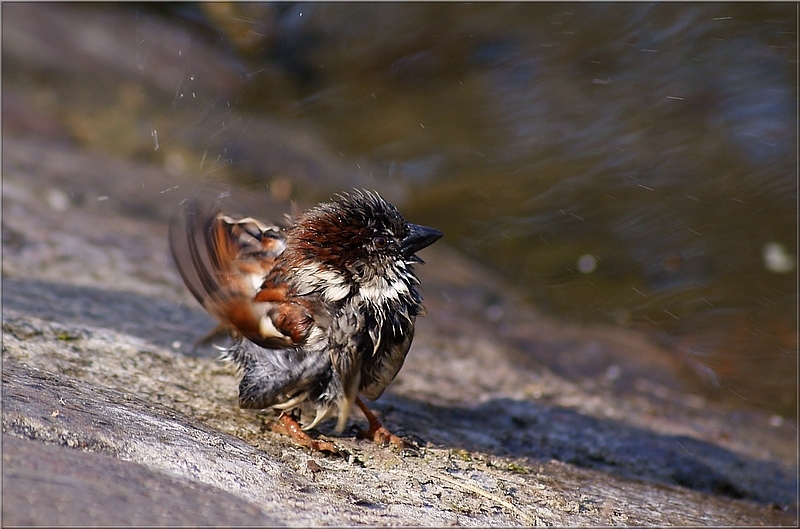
{"x":322,"y":311}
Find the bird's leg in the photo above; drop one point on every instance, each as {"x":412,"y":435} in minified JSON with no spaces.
{"x":286,"y":425}
{"x":377,"y":431}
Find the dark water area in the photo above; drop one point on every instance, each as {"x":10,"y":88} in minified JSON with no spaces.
{"x":626,"y":164}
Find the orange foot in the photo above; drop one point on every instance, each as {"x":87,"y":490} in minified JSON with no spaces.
{"x":377,"y":431}
{"x":287,"y":426}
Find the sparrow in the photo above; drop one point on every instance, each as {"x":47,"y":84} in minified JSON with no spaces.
{"x":321,"y":311}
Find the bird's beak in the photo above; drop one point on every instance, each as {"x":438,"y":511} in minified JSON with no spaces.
{"x":418,"y":238}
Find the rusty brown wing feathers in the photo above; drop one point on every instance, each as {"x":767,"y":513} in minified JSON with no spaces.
{"x":223,"y":261}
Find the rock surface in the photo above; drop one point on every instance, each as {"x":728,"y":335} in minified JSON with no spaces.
{"x":111,"y":418}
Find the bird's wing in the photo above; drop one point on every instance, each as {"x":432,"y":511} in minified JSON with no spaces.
{"x":223,"y":261}
{"x":378,"y":370}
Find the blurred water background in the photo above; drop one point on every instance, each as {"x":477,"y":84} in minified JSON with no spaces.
{"x":623,"y":164}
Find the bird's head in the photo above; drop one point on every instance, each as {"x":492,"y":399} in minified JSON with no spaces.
{"x":359,"y":234}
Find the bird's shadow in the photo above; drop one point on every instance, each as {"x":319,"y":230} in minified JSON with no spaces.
{"x":505,"y":427}
{"x":545,"y":432}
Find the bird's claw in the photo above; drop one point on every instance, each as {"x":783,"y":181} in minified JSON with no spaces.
{"x":382,"y":436}
{"x":287,"y":426}
{"x":377,"y":432}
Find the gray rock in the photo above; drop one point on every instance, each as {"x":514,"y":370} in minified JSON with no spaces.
{"x":98,"y":393}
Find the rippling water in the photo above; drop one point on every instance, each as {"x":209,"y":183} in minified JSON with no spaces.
{"x":631,"y":164}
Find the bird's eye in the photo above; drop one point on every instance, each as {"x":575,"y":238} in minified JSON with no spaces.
{"x":380,"y":241}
